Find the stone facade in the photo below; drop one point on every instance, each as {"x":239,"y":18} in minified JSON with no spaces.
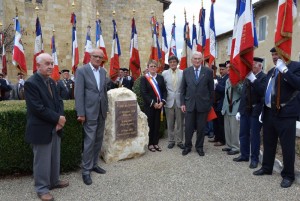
{"x":56,"y":14}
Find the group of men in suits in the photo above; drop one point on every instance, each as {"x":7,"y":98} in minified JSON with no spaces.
{"x":65,"y":86}
{"x":124,"y":79}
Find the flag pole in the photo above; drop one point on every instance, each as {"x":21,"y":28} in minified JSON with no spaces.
{"x":133,"y":13}
{"x":186,"y":64}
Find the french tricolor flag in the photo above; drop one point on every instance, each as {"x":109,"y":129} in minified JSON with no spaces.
{"x":155,"y":49}
{"x":134,"y":62}
{"x":88,"y":46}
{"x":4,"y":64}
{"x":18,"y":57}
{"x":75,"y":52}
{"x":210,"y":48}
{"x":38,"y":47}
{"x":164,"y":47}
{"x":201,"y":33}
{"x":172,"y":50}
{"x":286,"y":14}
{"x":115,"y":54}
{"x":55,"y":74}
{"x":186,"y":53}
{"x":100,"y":41}
{"x":194,"y":39}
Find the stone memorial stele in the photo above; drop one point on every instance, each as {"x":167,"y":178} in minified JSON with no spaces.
{"x":126,"y":127}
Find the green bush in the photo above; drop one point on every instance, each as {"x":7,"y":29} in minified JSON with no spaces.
{"x":16,"y":155}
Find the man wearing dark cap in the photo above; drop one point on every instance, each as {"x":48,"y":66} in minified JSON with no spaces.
{"x":4,"y":87}
{"x":248,"y":113}
{"x":280,"y":111}
{"x":17,"y":92}
{"x":128,"y":80}
{"x":218,"y":123}
{"x":65,"y":86}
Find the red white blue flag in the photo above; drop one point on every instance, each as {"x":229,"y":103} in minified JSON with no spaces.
{"x":155,"y":49}
{"x":164,"y":47}
{"x":186,"y":53}
{"x":88,"y":46}
{"x":100,"y":41}
{"x":75,"y":52}
{"x":4,"y":62}
{"x":201,"y":33}
{"x":172,"y":50}
{"x":194,"y":39}
{"x":134,"y":63}
{"x":210,"y":48}
{"x":55,"y":74}
{"x":18,"y":57}
{"x":38,"y":45}
{"x":115,"y":54}
{"x":286,"y":14}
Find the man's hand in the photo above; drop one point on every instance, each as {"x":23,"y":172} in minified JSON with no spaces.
{"x":183,"y":109}
{"x":81,"y":119}
{"x":251,"y":77}
{"x":280,"y":65}
{"x":238,"y":116}
{"x":58,"y":127}
{"x":62,"y":120}
{"x":159,"y":106}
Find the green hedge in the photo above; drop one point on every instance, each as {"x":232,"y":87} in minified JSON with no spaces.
{"x":16,"y":155}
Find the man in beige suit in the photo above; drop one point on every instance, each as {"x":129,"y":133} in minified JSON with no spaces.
{"x":173,"y":77}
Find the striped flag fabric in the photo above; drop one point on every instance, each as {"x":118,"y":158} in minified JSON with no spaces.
{"x":75,"y":51}
{"x":286,"y":14}
{"x":4,"y":62}
{"x":194,"y":39}
{"x":38,"y":45}
{"x":210,"y":49}
{"x":186,"y":53}
{"x":155,"y":48}
{"x":115,"y":54}
{"x":172,"y":50}
{"x":201,"y":32}
{"x":164,"y":47}
{"x":55,"y":74}
{"x":242,"y":58}
{"x":88,"y":46}
{"x":134,"y":62}
{"x":18,"y":56}
{"x":100,"y":41}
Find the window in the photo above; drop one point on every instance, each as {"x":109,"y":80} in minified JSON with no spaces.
{"x":262,"y":28}
{"x":229,"y":43}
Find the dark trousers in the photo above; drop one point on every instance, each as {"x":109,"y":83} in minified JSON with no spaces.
{"x":285,"y":129}
{"x":191,"y":119}
{"x":219,"y":127}
{"x":250,"y":137}
{"x":154,"y":124}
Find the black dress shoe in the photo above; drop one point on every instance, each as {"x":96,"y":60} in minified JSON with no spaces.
{"x":99,"y":170}
{"x":226,"y":149}
{"x":171,"y":145}
{"x":261,"y":172}
{"x":211,"y":135}
{"x":186,"y":151}
{"x":285,"y":183}
{"x":180,"y":145}
{"x":233,"y":152}
{"x":253,"y":164}
{"x":240,"y":159}
{"x":201,"y":152}
{"x":87,"y":179}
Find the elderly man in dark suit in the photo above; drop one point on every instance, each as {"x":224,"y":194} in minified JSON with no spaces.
{"x":91,"y":106}
{"x":45,"y":120}
{"x":280,"y":112}
{"x":65,"y":86}
{"x":197,"y":88}
{"x":248,"y":113}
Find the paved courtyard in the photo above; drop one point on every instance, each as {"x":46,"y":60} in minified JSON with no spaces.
{"x":164,"y":176}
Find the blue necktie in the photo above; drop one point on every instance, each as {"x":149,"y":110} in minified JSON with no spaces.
{"x":270,"y":88}
{"x":196,"y":74}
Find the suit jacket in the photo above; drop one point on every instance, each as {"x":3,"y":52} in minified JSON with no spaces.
{"x":43,"y":111}
{"x":17,"y":92}
{"x":4,"y":88}
{"x":252,"y":98}
{"x":173,"y":93}
{"x":126,"y":83}
{"x":236,"y":97}
{"x":89,"y":100}
{"x":220,"y":93}
{"x":289,"y":91}
{"x":148,"y":93}
{"x":197,"y":95}
{"x":65,"y":89}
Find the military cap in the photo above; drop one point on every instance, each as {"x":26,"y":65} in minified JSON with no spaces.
{"x":258,"y":59}
{"x":65,"y":71}
{"x":273,"y":50}
{"x":227,"y":62}
{"x":221,"y":65}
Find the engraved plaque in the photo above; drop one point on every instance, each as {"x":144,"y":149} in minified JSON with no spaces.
{"x":126,"y":119}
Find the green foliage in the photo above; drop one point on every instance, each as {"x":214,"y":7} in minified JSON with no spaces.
{"x":16,"y":155}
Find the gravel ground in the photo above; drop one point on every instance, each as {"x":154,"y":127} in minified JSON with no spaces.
{"x":164,"y":176}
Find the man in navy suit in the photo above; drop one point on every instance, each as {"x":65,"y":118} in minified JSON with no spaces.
{"x":197,"y":88}
{"x":248,"y":113}
{"x":45,"y":120}
{"x":280,"y":112}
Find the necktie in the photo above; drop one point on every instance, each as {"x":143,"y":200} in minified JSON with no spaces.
{"x":196,"y":74}
{"x":174,"y":79}
{"x":270,"y":88}
{"x":49,"y":88}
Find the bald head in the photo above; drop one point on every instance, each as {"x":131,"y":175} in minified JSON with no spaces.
{"x":44,"y":64}
{"x":96,"y":57}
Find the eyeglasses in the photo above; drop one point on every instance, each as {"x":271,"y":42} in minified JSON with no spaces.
{"x":97,"y":57}
{"x":152,"y":66}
